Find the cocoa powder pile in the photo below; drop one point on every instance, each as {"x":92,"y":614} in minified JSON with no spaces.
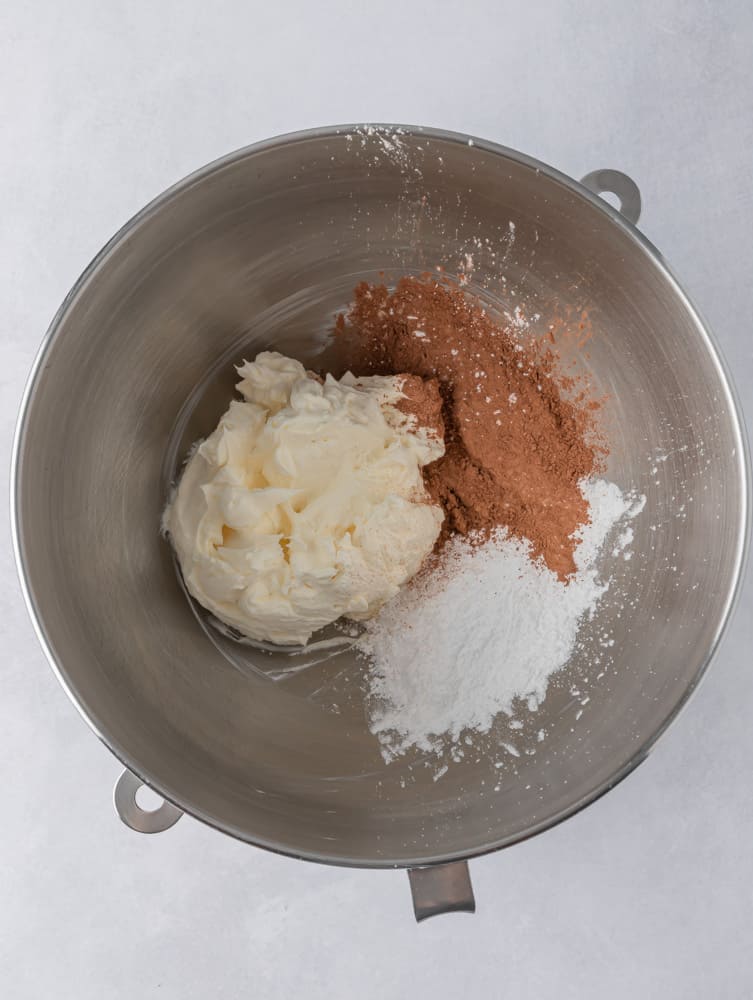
{"x":518,"y":437}
{"x":422,"y":399}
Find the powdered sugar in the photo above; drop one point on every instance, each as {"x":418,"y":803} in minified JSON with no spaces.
{"x":486,"y":628}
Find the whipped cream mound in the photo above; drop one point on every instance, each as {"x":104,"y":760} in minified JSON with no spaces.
{"x":307,"y":502}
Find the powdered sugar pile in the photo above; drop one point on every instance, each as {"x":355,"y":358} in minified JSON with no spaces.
{"x":487,"y":627}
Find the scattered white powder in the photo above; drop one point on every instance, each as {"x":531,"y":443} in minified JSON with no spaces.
{"x":488,"y":627}
{"x":625,"y":539}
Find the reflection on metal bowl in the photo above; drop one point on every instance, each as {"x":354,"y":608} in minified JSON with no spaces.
{"x":259,"y":251}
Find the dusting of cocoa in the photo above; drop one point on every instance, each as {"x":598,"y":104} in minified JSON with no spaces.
{"x":422,"y":399}
{"x":519,"y":434}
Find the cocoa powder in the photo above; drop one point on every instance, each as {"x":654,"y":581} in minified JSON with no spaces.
{"x":519,"y":433}
{"x":422,"y":399}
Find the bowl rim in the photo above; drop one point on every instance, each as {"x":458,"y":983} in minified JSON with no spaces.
{"x":477,"y":144}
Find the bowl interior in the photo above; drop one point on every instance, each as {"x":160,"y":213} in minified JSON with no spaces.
{"x":261,"y":251}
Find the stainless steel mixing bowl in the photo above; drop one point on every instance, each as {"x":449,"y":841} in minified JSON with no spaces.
{"x":260,"y":250}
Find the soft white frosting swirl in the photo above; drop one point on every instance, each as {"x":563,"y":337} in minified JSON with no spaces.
{"x":306,"y":503}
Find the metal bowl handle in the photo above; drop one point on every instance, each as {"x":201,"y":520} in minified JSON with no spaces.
{"x":441,"y":889}
{"x":619,"y":184}
{"x":435,"y":889}
{"x":138,"y":819}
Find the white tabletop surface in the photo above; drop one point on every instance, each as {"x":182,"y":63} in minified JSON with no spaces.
{"x":648,"y":893}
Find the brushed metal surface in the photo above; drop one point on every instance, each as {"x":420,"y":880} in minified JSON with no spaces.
{"x":441,"y":889}
{"x":615,"y":182}
{"x":141,"y":820}
{"x":259,"y":251}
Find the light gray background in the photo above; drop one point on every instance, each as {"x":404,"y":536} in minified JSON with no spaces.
{"x":649,"y":893}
